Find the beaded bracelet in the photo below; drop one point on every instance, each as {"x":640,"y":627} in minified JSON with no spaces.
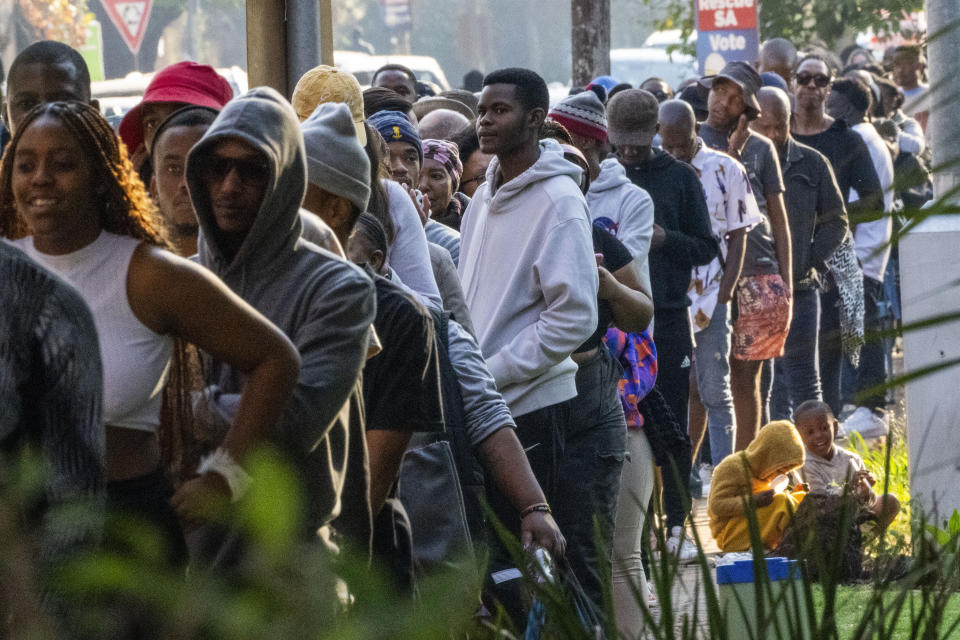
{"x":542,"y":507}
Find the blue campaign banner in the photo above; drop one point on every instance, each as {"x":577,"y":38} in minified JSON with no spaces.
{"x":716,"y":48}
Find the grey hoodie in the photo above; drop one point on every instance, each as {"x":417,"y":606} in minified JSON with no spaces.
{"x":529,"y":278}
{"x":322,"y":303}
{"x":625,"y":210}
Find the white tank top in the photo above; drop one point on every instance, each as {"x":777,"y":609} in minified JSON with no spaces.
{"x":136,"y":360}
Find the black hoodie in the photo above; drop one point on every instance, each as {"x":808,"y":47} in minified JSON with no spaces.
{"x":680,"y":207}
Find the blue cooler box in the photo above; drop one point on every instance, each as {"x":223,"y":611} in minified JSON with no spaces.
{"x":777,"y":610}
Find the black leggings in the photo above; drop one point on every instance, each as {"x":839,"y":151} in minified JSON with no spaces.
{"x":146,"y":498}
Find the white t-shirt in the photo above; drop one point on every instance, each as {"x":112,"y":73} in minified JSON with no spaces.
{"x":829,"y":476}
{"x":732,"y":205}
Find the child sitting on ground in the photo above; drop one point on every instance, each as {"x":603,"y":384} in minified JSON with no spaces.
{"x":832,"y":470}
{"x":745,"y":480}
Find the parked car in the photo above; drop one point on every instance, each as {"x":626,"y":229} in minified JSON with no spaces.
{"x":669,"y":38}
{"x":362,"y":65}
{"x":636,"y":65}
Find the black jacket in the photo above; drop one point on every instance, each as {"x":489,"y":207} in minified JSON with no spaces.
{"x":680,"y":208}
{"x":818,"y":219}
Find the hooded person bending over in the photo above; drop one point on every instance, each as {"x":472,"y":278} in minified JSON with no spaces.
{"x":746,"y":479}
{"x":247,"y":178}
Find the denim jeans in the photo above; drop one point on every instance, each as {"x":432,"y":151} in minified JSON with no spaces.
{"x":872,"y":370}
{"x":830,"y":349}
{"x":711,"y":362}
{"x":797,"y":374}
{"x":594,"y":453}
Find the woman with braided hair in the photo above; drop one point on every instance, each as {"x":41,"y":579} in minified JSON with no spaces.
{"x":69,"y":197}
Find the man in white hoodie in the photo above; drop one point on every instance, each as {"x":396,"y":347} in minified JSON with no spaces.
{"x":528,"y":271}
{"x":621,"y":207}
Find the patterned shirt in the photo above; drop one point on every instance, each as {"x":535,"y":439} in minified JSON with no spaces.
{"x":732,"y":205}
{"x":51,"y":395}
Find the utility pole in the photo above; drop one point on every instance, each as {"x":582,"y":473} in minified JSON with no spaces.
{"x":590,"y":24}
{"x":285,"y":39}
{"x":930,"y":272}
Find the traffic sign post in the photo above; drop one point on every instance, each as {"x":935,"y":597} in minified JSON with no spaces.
{"x":130,"y":17}
{"x":726,"y":31}
{"x":92,"y":51}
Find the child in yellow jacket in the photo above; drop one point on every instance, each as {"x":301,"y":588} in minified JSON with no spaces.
{"x":744,"y":479}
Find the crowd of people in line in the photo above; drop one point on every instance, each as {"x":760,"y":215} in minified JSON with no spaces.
{"x":426,"y":303}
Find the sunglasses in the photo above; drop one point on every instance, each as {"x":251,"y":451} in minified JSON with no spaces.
{"x":217,"y":168}
{"x":819,"y":79}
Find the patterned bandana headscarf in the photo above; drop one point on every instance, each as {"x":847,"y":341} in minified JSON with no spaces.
{"x":446,"y":154}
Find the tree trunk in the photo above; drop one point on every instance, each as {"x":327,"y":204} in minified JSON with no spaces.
{"x":591,"y":39}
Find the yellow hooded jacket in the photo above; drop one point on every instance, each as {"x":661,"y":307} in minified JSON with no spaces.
{"x":776,"y":450}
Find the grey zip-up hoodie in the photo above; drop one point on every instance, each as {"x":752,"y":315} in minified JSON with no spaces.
{"x":324,"y":304}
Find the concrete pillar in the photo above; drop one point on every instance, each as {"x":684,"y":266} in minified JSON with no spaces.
{"x":930,"y":282}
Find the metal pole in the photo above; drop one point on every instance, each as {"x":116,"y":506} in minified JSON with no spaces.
{"x":929,"y":272}
{"x":303,"y":41}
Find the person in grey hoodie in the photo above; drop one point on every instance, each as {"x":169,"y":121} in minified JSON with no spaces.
{"x":529,"y":276}
{"x":527,"y":265}
{"x":247,"y":177}
{"x":338,"y":172}
{"x":621,"y":207}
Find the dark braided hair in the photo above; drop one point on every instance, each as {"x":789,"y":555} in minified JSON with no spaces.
{"x":124,"y":208}
{"x":369,"y":228}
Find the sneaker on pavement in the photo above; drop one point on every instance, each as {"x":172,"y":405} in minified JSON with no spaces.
{"x":683,"y":549}
{"x":869,"y":423}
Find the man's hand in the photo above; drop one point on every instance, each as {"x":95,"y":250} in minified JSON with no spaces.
{"x":608,"y":284}
{"x":422,"y":211}
{"x":659,"y":236}
{"x":763,"y":498}
{"x":737,"y":139}
{"x":201,"y":498}
{"x":540,"y":527}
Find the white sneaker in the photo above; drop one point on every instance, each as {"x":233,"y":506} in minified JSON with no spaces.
{"x":866,"y":422}
{"x":685,"y":550}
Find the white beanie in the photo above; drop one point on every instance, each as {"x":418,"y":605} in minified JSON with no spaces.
{"x":335,"y":160}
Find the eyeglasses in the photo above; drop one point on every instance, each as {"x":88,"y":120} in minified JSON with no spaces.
{"x":819,"y":79}
{"x":479,"y":179}
{"x":217,"y":168}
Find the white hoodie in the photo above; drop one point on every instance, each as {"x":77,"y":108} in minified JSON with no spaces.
{"x":628,"y":210}
{"x":529,"y":277}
